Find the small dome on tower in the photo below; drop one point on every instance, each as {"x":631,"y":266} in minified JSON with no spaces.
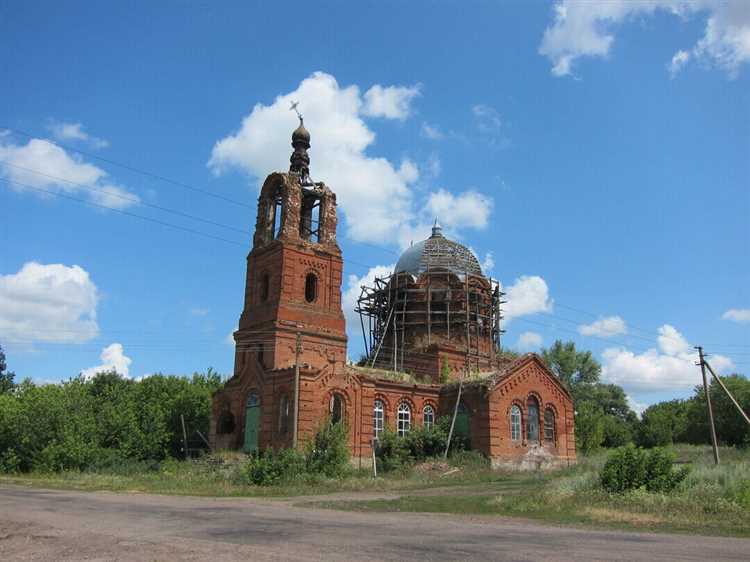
{"x":438,"y":252}
{"x":300,"y":133}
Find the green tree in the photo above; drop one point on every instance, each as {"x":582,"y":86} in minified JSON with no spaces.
{"x":6,"y":377}
{"x":603,"y":415}
{"x":663,"y":424}
{"x":571,"y":366}
{"x":731,"y":428}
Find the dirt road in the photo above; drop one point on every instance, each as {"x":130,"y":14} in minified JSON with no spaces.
{"x":43,"y":525}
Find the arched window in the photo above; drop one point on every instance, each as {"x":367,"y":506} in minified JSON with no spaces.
{"x":378,"y":418}
{"x":404,"y":419}
{"x":549,"y":426}
{"x":264,"y":287}
{"x":226,"y":422}
{"x":311,"y":287}
{"x":428,"y":417}
{"x":532,"y":422}
{"x":283,"y":415}
{"x":336,"y":408}
{"x":515,"y":423}
{"x":260,"y":357}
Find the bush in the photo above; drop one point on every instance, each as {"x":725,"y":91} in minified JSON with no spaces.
{"x":270,"y":467}
{"x":326,"y":455}
{"x":396,"y":453}
{"x":328,"y":452}
{"x":631,"y":468}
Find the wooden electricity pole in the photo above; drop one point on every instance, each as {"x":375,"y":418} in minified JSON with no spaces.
{"x":708,"y":404}
{"x":455,"y":411}
{"x":295,"y":413}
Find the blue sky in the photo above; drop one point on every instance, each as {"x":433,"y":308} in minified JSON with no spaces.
{"x":594,"y":155}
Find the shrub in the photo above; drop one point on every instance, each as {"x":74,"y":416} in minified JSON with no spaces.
{"x":630,"y":468}
{"x":328,"y":452}
{"x":395,"y":453}
{"x":392,"y":451}
{"x":270,"y":467}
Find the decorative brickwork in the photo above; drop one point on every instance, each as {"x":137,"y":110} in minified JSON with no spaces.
{"x":293,"y":294}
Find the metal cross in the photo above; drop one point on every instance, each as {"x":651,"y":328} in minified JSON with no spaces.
{"x":293,"y":107}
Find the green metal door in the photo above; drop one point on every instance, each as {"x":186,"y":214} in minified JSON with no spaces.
{"x":462,"y":428}
{"x":252,"y":421}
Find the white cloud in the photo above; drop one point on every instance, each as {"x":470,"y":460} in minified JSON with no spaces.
{"x":392,"y":102}
{"x":41,"y":164}
{"x":679,"y":60}
{"x":74,"y":132}
{"x":529,"y":341}
{"x":488,"y":263}
{"x":740,"y":315}
{"x":431,"y":132}
{"x":229,"y":339}
{"x":586,"y":29}
{"x":604,"y":327}
{"x":113,"y":359}
{"x":637,"y":407}
{"x":487,"y":118}
{"x":48,"y":303}
{"x":408,"y":171}
{"x":353,"y":290}
{"x":670,"y":367}
{"x":528,"y":295}
{"x":376,"y":197}
{"x":469,"y":208}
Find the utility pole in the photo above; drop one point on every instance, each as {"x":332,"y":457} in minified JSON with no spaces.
{"x":708,"y":404}
{"x":455,"y":411}
{"x":295,"y":416}
{"x":729,"y":394}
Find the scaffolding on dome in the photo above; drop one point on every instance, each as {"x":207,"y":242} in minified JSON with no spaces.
{"x":402,"y":315}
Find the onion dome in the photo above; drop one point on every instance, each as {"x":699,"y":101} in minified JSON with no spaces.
{"x":299,"y":160}
{"x":438,"y":252}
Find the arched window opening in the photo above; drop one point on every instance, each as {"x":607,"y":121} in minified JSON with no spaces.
{"x":260,"y":357}
{"x":336,"y":408}
{"x":549,"y":426}
{"x":309,"y":226}
{"x":225,"y":424}
{"x":311,"y":287}
{"x":253,"y":400}
{"x":283,"y":415}
{"x":404,"y":419}
{"x":532,"y":424}
{"x":378,"y":418}
{"x":278,"y":209}
{"x":515,"y":423}
{"x":265,"y":283}
{"x":428,"y":417}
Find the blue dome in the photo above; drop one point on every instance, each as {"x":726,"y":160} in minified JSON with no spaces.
{"x":437,"y":252}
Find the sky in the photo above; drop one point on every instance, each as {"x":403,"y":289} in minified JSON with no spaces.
{"x":593,"y":155}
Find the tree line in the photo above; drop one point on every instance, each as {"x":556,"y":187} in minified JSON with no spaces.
{"x":605,"y":419}
{"x":93,"y":423}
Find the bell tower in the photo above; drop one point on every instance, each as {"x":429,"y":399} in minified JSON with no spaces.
{"x":294,"y":273}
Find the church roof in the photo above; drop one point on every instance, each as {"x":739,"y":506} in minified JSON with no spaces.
{"x":438,"y":252}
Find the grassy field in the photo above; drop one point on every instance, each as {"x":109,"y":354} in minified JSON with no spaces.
{"x":199,"y":478}
{"x":711,"y":501}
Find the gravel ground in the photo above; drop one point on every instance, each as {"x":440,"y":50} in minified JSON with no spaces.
{"x":43,"y":525}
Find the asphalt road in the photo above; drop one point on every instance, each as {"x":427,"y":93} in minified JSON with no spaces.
{"x":50,"y":525}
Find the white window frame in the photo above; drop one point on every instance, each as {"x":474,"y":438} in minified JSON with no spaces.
{"x":515,"y":423}
{"x":403,"y":419}
{"x":428,"y":410}
{"x":378,"y":418}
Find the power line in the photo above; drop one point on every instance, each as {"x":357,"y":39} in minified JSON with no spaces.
{"x":134,"y":199}
{"x":131,"y":168}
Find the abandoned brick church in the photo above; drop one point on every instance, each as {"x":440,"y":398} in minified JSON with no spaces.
{"x":432,"y":334}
